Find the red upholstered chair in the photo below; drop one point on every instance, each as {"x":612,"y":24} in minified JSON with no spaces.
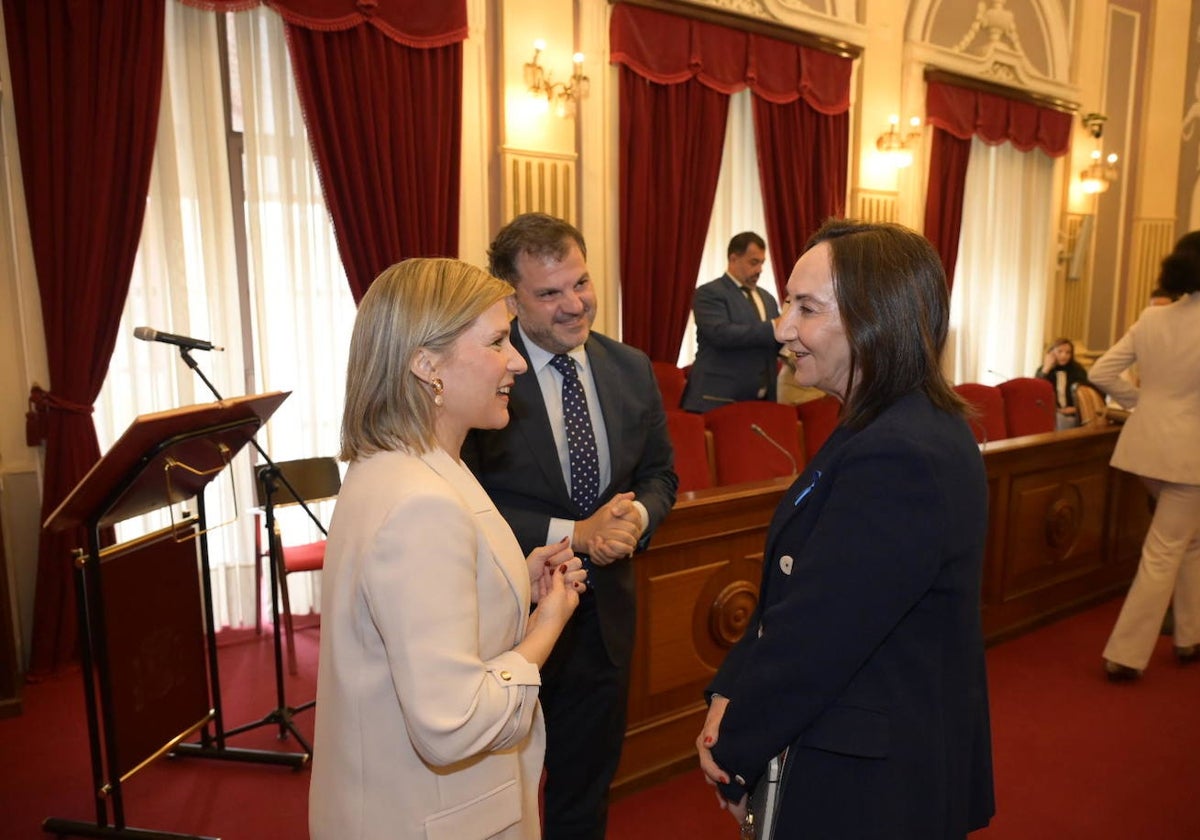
{"x":988,"y":424}
{"x":693,"y":445}
{"x":1028,"y":406}
{"x":742,"y":454}
{"x":820,"y":418}
{"x":670,"y":383}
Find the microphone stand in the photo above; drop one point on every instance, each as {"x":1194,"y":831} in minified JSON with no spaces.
{"x":282,"y":714}
{"x":762,"y":433}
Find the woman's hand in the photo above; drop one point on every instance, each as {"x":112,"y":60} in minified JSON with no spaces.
{"x":1049,"y":362}
{"x":713,"y":774}
{"x":557,"y":602}
{"x":544,"y":560}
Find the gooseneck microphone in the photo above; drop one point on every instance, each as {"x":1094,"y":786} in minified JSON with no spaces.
{"x":151,"y":334}
{"x":758,"y":430}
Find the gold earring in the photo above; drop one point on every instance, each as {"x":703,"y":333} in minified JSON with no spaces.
{"x":438,"y":390}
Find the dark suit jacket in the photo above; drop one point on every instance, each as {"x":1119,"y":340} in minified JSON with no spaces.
{"x":519,"y":467}
{"x":736,"y":351}
{"x":865,"y":653}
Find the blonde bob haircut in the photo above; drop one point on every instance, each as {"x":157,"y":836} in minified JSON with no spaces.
{"x":418,"y":303}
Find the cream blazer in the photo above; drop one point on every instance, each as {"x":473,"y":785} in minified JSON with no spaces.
{"x":1161,"y":438}
{"x":427,"y":723}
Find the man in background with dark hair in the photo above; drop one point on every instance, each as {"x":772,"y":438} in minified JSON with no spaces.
{"x":736,"y":354}
{"x":585,"y":457}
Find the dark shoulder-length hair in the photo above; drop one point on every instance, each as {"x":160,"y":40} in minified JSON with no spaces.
{"x":895,"y":308}
{"x":1181,"y":269}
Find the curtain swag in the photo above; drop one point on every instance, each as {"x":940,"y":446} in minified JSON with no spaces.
{"x":996,"y":119}
{"x":668,"y":49}
{"x":413,"y":24}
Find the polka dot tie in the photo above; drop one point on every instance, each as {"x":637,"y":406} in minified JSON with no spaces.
{"x":581,"y":440}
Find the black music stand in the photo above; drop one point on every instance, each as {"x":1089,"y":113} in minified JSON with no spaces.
{"x":149,"y":665}
{"x":271,"y":477}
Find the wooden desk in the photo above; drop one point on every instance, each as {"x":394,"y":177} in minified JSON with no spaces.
{"x":1065,"y":530}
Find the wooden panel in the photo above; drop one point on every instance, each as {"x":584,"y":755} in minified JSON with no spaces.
{"x":1064,"y":531}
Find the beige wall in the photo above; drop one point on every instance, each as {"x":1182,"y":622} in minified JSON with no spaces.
{"x":1137,"y":57}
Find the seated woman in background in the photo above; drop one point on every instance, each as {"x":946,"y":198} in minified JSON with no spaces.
{"x":1060,"y":369}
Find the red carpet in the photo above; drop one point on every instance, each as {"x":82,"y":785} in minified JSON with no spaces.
{"x":1076,"y":757}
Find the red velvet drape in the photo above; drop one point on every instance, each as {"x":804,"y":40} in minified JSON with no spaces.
{"x":385,"y":124}
{"x":671,"y":146}
{"x":87,"y":80}
{"x":668,"y":172}
{"x":803,"y":166}
{"x":948,"y":158}
{"x":959,"y":113}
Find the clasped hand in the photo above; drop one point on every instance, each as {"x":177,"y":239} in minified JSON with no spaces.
{"x":713,"y":774}
{"x":612,"y":532}
{"x":548,"y":560}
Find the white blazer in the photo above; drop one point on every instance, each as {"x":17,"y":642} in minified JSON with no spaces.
{"x":427,"y":723}
{"x":1161,"y":438}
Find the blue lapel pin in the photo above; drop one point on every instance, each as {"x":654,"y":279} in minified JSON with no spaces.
{"x":809,"y":488}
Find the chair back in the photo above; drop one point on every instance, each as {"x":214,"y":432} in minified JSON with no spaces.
{"x":741,"y":454}
{"x":693,"y":445}
{"x":1089,"y":403}
{"x":313,"y":479}
{"x":987,"y":401}
{"x":1029,"y":406}
{"x":819,"y":418}
{"x":671,"y":380}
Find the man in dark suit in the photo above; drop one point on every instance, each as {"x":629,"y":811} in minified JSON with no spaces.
{"x":607,"y":500}
{"x":736,"y":353}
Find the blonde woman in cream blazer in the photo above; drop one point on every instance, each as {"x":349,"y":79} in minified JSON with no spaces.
{"x":428,"y":724}
{"x":1161,"y":443}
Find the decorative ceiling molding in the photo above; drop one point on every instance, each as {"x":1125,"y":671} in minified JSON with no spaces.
{"x":990,"y":48}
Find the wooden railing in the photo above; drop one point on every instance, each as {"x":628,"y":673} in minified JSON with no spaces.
{"x":1065,"y":531}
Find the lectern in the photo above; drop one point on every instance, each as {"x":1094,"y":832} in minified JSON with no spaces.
{"x":147,"y":637}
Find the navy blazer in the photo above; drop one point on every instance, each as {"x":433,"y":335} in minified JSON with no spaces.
{"x":519,"y":467}
{"x":865,"y":653}
{"x":736,"y":350}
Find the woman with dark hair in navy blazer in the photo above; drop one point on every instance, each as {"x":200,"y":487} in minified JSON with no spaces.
{"x":864,"y":657}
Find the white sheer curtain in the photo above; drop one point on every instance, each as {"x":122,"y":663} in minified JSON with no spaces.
{"x":300,"y":309}
{"x":998,"y":304}
{"x":303,"y":311}
{"x":185,"y":282}
{"x":738,"y":206}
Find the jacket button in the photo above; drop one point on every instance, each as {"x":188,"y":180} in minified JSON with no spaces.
{"x":740,"y":780}
{"x":506,"y":675}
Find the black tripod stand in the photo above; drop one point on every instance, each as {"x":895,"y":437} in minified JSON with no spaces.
{"x":270,"y":476}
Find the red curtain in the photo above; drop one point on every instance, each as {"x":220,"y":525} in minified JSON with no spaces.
{"x":86,"y":81}
{"x":385,"y":124}
{"x":676,"y":77}
{"x":668,"y":173}
{"x":803,"y":166}
{"x":957,"y":114}
{"x":380,"y":83}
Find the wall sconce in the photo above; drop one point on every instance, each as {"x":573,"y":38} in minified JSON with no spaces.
{"x":563,"y":95}
{"x":897,"y":147}
{"x":1097,"y":175}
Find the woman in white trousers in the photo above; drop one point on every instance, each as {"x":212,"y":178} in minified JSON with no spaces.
{"x":1161,"y":443}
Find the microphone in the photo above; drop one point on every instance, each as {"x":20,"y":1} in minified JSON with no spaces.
{"x":151,"y":334}
{"x":758,"y":430}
